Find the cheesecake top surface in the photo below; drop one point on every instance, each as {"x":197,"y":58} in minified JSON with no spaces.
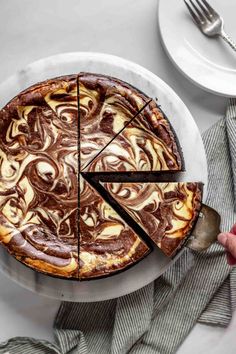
{"x":146,"y":144}
{"x":106,"y":105}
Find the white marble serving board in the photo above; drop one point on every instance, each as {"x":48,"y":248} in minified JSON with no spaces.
{"x":195,"y":163}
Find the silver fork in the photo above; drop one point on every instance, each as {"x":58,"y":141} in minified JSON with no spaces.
{"x":208,"y":20}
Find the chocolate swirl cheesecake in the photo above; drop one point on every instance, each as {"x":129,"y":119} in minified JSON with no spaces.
{"x":54,"y":138}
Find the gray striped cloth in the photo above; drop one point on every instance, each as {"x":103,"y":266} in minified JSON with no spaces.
{"x":157,"y":318}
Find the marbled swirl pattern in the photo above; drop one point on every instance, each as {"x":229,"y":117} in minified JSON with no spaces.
{"x":48,"y":134}
{"x":166,"y":211}
{"x":107,"y":243}
{"x":146,"y":144}
{"x":38,"y":177}
{"x":106,"y":104}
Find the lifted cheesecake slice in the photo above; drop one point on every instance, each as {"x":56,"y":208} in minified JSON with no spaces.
{"x":166,"y":212}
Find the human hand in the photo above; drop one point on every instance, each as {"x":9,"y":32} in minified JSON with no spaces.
{"x":228,"y":240}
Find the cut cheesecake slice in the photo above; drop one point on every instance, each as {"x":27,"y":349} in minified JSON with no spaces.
{"x":107,"y":243}
{"x":147,"y":143}
{"x":167,"y":212}
{"x":106,"y":104}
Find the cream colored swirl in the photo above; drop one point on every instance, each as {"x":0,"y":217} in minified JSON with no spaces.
{"x":166,"y":211}
{"x":97,"y":216}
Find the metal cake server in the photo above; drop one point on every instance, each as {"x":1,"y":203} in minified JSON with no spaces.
{"x":208,"y":20}
{"x":206,"y":229}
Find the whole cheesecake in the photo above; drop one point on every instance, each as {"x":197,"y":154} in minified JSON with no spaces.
{"x":55,"y":137}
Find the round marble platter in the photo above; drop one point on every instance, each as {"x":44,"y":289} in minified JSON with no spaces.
{"x":189,"y":136}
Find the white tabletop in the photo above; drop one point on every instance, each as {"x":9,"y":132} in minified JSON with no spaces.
{"x":34,"y":29}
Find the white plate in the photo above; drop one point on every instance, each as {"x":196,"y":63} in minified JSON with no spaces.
{"x":210,"y":63}
{"x":195,"y":161}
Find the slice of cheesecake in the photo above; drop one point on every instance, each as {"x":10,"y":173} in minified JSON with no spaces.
{"x":166,"y":212}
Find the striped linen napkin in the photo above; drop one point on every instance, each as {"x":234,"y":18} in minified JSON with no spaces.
{"x":157,"y":318}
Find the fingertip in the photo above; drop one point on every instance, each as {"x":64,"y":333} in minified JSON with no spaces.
{"x":230,"y":259}
{"x":222,"y":238}
{"x":233,"y":230}
{"x":230,"y":244}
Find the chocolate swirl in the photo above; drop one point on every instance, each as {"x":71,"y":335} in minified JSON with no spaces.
{"x":107,"y":243}
{"x":39,"y":177}
{"x":166,"y":211}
